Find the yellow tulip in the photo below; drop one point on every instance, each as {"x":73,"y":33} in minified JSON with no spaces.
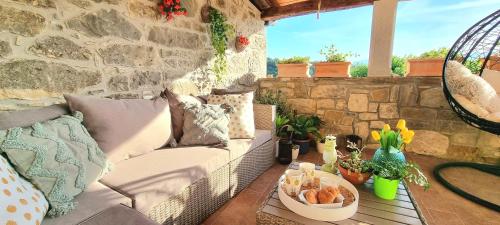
{"x":404,"y":130}
{"x":387,"y":127}
{"x":375,"y":135}
{"x":401,"y":124}
{"x":408,"y":136}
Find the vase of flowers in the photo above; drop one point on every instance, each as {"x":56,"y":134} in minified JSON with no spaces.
{"x":392,"y":142}
{"x":241,"y":43}
{"x":389,"y":173}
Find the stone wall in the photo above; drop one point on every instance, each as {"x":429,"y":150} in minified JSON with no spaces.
{"x":360,"y":105}
{"x":115,"y":48}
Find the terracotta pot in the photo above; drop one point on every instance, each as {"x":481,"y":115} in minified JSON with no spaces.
{"x":333,"y":69}
{"x":293,"y":70}
{"x":320,"y":147}
{"x":425,"y":67}
{"x":205,"y":13}
{"x":239,"y":46}
{"x":354,"y":178}
{"x":493,"y":63}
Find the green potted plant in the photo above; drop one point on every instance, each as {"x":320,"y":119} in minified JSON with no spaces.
{"x":320,"y":143}
{"x":353,"y":168}
{"x":302,"y":126}
{"x":429,"y":63}
{"x":392,"y":142}
{"x":388,"y":174}
{"x":296,"y":66}
{"x":335,"y":64}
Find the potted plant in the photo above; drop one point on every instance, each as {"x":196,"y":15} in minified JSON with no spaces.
{"x":302,"y":126}
{"x":429,"y":63}
{"x":388,"y":174}
{"x":241,"y":43}
{"x":283,"y":140}
{"x":392,"y":142}
{"x":296,"y":66}
{"x":320,"y":143}
{"x":335,"y":64}
{"x":353,"y":168}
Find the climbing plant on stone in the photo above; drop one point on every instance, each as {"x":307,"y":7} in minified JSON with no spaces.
{"x":221,"y":32}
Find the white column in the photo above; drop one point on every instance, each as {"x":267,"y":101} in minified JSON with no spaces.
{"x":382,"y":37}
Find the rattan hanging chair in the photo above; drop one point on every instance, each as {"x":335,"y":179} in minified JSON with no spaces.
{"x":477,"y":49}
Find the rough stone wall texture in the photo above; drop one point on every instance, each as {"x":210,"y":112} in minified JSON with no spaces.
{"x":116,"y":48}
{"x":361,"y":105}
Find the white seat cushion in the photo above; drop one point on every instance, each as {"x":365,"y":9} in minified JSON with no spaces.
{"x":239,"y":147}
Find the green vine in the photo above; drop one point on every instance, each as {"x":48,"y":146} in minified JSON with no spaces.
{"x":221,"y":32}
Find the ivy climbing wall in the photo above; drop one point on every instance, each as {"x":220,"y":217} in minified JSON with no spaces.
{"x":117,"y":49}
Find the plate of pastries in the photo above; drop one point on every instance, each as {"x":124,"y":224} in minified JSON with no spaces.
{"x":317,"y":194}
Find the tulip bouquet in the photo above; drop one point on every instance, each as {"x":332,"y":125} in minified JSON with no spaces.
{"x":394,"y":141}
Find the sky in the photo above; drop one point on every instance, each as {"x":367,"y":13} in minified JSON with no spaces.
{"x":421,"y":25}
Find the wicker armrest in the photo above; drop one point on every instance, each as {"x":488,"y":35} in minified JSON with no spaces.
{"x":264,"y":116}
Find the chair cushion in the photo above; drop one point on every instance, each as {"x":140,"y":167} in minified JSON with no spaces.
{"x":119,"y":214}
{"x":125,"y":128}
{"x":154,"y":177}
{"x":239,"y":147}
{"x":26,"y":118}
{"x":95,"y":199}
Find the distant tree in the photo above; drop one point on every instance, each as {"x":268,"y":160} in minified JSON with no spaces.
{"x":359,"y":70}
{"x":271,"y":66}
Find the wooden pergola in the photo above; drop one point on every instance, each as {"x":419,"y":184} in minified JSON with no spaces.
{"x":278,"y":9}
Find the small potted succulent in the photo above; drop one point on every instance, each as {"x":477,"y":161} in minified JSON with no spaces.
{"x":241,"y":43}
{"x":389,"y":173}
{"x":335,"y":64}
{"x":296,"y":66}
{"x":429,"y":63}
{"x":353,"y":168}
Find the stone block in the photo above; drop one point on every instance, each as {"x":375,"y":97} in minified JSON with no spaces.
{"x":175,"y":38}
{"x":433,"y":97}
{"x":39,"y":3}
{"x":84,"y":4}
{"x":140,"y":9}
{"x":145,"y":78}
{"x":418,"y":113}
{"x":394,"y":93}
{"x":301,"y":90}
{"x":328,"y":91}
{"x":21,"y":22}
{"x":361,"y":129}
{"x":105,"y":23}
{"x":114,"y":2}
{"x":303,"y":105}
{"x":325,"y":103}
{"x":465,"y":139}
{"x":388,"y":110}
{"x":368,"y":116}
{"x":372,"y":107}
{"x":377,"y":124}
{"x":5,"y":49}
{"x":488,"y":140}
{"x":347,"y":120}
{"x":118,"y":83}
{"x":449,"y":127}
{"x":463,"y":153}
{"x":333,"y":116}
{"x":35,"y":76}
{"x":60,"y":47}
{"x":124,"y":96}
{"x":419,"y":124}
{"x":380,"y":95}
{"x":408,"y":95}
{"x":341,"y":104}
{"x":128,"y":55}
{"x":447,"y":115}
{"x":341,"y":129}
{"x":428,"y":142}
{"x":288,"y":92}
{"x":266,"y":84}
{"x":358,"y":103}
{"x":358,"y":91}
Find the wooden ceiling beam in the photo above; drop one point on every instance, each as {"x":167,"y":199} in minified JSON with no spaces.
{"x":307,"y":7}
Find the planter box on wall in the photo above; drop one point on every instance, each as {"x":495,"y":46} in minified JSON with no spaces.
{"x":333,"y":69}
{"x":425,"y":67}
{"x":293,"y":70}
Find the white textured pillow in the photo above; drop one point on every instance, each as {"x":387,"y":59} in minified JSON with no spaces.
{"x":462,"y":82}
{"x":21,"y":202}
{"x":241,"y":119}
{"x":471,"y":107}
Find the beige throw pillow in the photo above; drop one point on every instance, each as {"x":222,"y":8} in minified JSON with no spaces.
{"x":241,"y":119}
{"x":125,"y":128}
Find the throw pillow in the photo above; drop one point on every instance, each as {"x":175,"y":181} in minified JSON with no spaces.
{"x":58,"y":156}
{"x":21,"y":202}
{"x":125,"y":128}
{"x":206,"y":125}
{"x":242,"y":120}
{"x":177,"y":104}
{"x":26,"y":118}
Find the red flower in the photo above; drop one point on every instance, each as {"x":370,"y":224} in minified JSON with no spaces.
{"x":171,"y":8}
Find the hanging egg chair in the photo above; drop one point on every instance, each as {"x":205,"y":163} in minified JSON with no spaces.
{"x":478,"y":50}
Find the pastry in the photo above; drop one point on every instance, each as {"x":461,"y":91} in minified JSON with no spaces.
{"x":325,"y":197}
{"x":311,"y":196}
{"x":333,"y":190}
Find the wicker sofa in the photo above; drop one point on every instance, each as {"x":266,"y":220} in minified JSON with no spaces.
{"x":170,"y":186}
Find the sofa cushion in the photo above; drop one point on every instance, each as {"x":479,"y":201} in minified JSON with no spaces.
{"x":95,"y":199}
{"x":119,"y":214}
{"x":154,"y":177}
{"x":239,"y":147}
{"x":26,"y":118}
{"x":125,"y":128}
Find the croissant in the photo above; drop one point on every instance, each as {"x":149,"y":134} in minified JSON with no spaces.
{"x":325,"y":197}
{"x":311,"y":196}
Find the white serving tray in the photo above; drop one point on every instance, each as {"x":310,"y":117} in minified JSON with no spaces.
{"x":316,"y":213}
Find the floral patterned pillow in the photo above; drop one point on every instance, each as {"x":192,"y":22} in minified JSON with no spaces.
{"x":241,"y":119}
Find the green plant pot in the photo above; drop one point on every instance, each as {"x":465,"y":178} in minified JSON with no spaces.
{"x":385,"y":188}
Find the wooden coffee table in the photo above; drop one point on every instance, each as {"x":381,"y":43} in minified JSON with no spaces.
{"x":371,"y":209}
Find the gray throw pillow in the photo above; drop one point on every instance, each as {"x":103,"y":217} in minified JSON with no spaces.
{"x":205,"y":125}
{"x":57,"y":156}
